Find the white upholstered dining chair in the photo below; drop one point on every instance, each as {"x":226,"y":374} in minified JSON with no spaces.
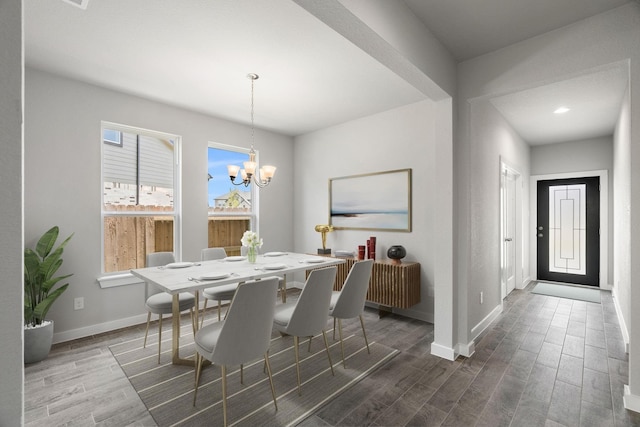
{"x":308,"y":315}
{"x":244,"y":335}
{"x":218,"y":293}
{"x":158,"y":302}
{"x":348,"y":303}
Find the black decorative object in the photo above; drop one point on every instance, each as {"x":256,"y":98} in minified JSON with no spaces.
{"x":396,"y":253}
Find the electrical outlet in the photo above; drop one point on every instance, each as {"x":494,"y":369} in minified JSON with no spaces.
{"x":78,"y":303}
{"x":481,"y":297}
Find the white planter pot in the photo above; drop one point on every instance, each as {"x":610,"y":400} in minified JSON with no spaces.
{"x":37,"y":342}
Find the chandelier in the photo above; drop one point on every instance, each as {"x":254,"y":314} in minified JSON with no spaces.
{"x":263,"y":176}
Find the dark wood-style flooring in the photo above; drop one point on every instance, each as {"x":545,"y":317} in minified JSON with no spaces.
{"x":545,"y":361}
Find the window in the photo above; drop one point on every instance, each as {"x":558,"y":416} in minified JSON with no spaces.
{"x":140,"y":203}
{"x":231,"y":207}
{"x":111,"y":136}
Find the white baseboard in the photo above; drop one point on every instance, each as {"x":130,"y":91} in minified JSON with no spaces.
{"x":414,"y":314}
{"x":86,"y":331}
{"x":444,"y":352}
{"x":525,"y":282}
{"x":295,"y":284}
{"x":631,"y":401}
{"x":467,"y":350}
{"x":623,"y":325}
{"x":484,"y":323}
{"x":100,"y":328}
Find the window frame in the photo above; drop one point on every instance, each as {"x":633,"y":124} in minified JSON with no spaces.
{"x":120,"y":278}
{"x":253,"y":216}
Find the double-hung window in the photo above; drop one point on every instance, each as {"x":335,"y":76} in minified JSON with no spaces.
{"x":141,"y":197}
{"x":232,"y":208}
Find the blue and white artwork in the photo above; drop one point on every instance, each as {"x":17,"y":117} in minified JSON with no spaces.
{"x":378,"y":201}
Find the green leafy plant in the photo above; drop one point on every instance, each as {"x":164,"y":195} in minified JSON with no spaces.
{"x":40,"y":266}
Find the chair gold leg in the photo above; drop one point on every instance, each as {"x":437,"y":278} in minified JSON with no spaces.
{"x":295,"y":348}
{"x":326,"y":344}
{"x":309,"y":349}
{"x":198,"y":367}
{"x":224,"y":394}
{"x":334,"y":328}
{"x":159,"y":337}
{"x":365,"y":334}
{"x":147,"y":331}
{"x":219,"y":308}
{"x":341,"y":342}
{"x":204,"y":309}
{"x":273,"y":390}
{"x":227,"y":312}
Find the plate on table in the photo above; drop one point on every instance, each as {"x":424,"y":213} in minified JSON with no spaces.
{"x":313,"y":260}
{"x":179,"y":265}
{"x":275,"y":253}
{"x":235,"y":258}
{"x":274,"y":266}
{"x":214,"y":275}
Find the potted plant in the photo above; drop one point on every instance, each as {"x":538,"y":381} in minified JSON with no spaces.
{"x":40,"y":267}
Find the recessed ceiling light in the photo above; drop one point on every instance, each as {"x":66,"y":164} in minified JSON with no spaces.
{"x":561,"y":110}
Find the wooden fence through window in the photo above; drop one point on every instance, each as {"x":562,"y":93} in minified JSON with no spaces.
{"x":128,"y":239}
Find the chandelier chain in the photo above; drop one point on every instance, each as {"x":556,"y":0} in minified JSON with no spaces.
{"x":253,"y":78}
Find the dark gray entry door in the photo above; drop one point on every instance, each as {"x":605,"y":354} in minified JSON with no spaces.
{"x":568,"y":231}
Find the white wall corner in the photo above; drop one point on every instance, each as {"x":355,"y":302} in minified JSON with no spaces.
{"x":467,"y":350}
{"x":631,"y":401}
{"x":444,"y":352}
{"x":623,"y":325}
{"x":484,"y":323}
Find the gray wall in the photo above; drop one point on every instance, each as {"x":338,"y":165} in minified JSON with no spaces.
{"x":63,"y":187}
{"x":397,"y":139}
{"x":11,"y":303}
{"x":492,"y":140}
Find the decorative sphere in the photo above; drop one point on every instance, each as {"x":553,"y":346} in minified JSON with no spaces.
{"x":396,"y":252}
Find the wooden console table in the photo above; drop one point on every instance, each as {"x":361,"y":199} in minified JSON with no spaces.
{"x":391,"y":285}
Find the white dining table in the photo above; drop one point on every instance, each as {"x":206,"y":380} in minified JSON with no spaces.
{"x":195,"y":276}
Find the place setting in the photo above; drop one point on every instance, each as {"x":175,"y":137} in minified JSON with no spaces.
{"x":183,"y":264}
{"x":211,"y":276}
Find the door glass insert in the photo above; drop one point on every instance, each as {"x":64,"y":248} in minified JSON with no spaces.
{"x":567,"y":229}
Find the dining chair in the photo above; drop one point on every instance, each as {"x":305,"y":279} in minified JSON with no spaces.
{"x":219,"y":293}
{"x":348,"y":303}
{"x":244,"y":334}
{"x":308,"y":315}
{"x":158,"y":302}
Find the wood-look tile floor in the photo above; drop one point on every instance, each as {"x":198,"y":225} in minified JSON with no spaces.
{"x":544,"y":362}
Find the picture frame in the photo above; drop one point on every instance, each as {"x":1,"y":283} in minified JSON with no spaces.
{"x":374,"y":201}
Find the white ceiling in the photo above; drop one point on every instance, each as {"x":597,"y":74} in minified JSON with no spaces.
{"x":197,"y":54}
{"x":593,"y":112}
{"x":470,"y":28}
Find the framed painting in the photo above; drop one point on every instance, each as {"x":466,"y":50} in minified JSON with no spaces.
{"x":374,"y":201}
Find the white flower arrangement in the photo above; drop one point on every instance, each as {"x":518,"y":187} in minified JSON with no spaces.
{"x":251,"y":240}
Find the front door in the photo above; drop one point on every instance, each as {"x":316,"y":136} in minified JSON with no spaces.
{"x":568,"y":231}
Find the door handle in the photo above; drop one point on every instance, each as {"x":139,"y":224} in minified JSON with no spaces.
{"x":540,"y":235}
{"x":508,"y":239}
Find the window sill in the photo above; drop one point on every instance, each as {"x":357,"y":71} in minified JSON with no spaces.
{"x":114,"y":280}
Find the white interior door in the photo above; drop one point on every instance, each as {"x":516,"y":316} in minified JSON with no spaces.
{"x":508,"y":223}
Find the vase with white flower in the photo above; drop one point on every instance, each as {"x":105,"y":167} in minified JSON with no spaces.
{"x":252,"y":242}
